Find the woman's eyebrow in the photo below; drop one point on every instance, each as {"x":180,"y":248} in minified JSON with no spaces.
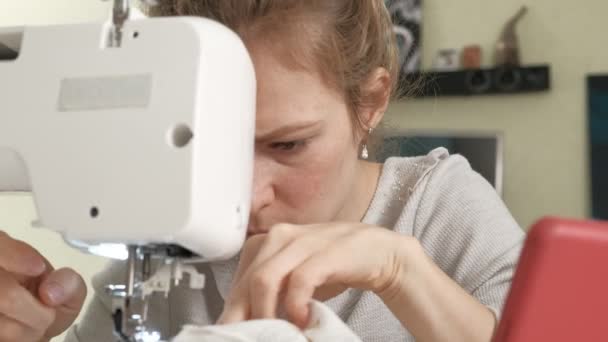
{"x":287,"y":129}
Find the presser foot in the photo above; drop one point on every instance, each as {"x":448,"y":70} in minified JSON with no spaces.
{"x":130,"y":300}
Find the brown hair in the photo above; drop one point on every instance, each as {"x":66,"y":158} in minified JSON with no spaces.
{"x":350,"y":40}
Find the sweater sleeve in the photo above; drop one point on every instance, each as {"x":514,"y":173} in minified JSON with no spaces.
{"x":468,"y":231}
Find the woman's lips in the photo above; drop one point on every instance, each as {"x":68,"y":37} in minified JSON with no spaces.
{"x":252,"y":231}
{"x":258,"y":226}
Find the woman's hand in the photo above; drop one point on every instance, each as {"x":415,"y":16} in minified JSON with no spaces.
{"x":293,"y":264}
{"x":36,"y":302}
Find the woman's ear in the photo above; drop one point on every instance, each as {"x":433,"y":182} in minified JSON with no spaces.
{"x":375,"y":95}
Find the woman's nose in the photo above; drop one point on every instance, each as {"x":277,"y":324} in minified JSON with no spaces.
{"x":263,"y":192}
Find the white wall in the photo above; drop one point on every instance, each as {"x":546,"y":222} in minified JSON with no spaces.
{"x":545,"y":134}
{"x":42,"y":12}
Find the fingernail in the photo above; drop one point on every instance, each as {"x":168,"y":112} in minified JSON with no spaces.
{"x":55,"y":292}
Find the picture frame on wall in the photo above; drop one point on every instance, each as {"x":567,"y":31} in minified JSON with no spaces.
{"x":406,"y":16}
{"x":597,"y":108}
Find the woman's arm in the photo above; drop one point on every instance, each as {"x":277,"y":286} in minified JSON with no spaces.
{"x":430,"y":304}
{"x":456,"y":270}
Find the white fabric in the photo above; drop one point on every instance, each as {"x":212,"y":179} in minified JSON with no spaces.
{"x":324,"y":326}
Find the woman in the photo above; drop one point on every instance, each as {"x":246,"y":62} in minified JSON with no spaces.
{"x":415,"y":248}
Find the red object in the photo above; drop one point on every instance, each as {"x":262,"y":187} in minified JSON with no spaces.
{"x":471,"y":57}
{"x":560,"y":289}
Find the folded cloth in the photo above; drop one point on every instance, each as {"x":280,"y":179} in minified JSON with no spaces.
{"x":324,"y":325}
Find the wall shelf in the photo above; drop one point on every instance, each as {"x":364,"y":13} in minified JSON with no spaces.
{"x":486,"y":81}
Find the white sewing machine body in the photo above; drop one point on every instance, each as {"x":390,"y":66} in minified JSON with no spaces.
{"x":147,"y":143}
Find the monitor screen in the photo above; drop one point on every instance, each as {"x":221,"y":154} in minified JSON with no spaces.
{"x":483,"y":151}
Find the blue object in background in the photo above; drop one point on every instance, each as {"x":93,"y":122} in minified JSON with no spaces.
{"x":597,"y":91}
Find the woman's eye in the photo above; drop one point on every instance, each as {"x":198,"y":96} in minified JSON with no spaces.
{"x":287,"y":146}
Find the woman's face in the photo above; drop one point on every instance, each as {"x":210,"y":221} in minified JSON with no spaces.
{"x":305,"y":153}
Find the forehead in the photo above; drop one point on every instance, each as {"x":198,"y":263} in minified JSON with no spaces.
{"x":287,"y":91}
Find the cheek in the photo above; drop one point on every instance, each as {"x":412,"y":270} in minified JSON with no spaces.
{"x":316,"y":187}
{"x":298,"y":188}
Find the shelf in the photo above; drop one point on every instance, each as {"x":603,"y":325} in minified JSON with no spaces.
{"x":487,"y":81}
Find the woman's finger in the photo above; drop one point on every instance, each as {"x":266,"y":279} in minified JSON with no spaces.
{"x":303,"y":281}
{"x":262,"y":278}
{"x":63,"y":287}
{"x":278,"y":238}
{"x":235,"y":310}
{"x":12,"y":330}
{"x":65,"y":291}
{"x":17,"y":303}
{"x":20,"y":258}
{"x":269,"y":278}
{"x":250,"y":250}
{"x":346,"y":265}
{"x":256,"y":250}
{"x":236,"y":307}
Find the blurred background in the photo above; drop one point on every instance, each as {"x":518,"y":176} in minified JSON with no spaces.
{"x":541,"y":139}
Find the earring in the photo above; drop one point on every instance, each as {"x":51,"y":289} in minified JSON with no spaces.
{"x":364,"y":152}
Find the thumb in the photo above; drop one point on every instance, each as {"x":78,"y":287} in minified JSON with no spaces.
{"x":63,"y":287}
{"x":65,"y":291}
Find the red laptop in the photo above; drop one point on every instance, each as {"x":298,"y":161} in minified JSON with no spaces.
{"x":560,"y":290}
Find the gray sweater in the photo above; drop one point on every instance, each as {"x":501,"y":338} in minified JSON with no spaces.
{"x":456,"y":215}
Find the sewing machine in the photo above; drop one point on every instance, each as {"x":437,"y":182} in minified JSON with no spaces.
{"x":135,"y":138}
